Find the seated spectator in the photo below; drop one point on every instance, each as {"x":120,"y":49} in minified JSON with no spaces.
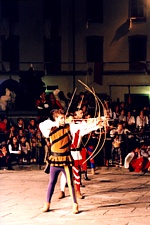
{"x":12,"y":132}
{"x":33,"y":144}
{"x":4,"y":156}
{"x":2,"y":130}
{"x":40,"y":143}
{"x":37,"y":145}
{"x":135,"y":162}
{"x":20,"y":134}
{"x":14,"y":148}
{"x":25,"y":149}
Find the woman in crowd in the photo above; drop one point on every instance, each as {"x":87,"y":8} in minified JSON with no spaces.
{"x":14,"y":148}
{"x":5,"y":156}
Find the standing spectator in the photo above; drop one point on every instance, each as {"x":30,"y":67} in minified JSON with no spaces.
{"x":121,"y":137}
{"x":130,"y":121}
{"x":108,"y":110}
{"x":32,"y":128}
{"x":122,"y":117}
{"x":33,"y":145}
{"x":63,"y":100}
{"x":116,"y":114}
{"x":116,"y":152}
{"x":107,"y":148}
{"x":40,"y":143}
{"x":42,"y":106}
{"x":53,"y":102}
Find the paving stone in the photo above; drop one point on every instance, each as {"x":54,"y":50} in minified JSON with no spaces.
{"x":112,"y":197}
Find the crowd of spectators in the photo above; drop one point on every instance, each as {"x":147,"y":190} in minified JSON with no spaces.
{"x":23,"y":142}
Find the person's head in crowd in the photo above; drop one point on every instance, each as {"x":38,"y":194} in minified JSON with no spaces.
{"x":122,"y":105}
{"x":2,"y":144}
{"x":23,"y":139}
{"x":32,"y":123}
{"x":69,"y":95}
{"x":12,"y":127}
{"x":43,"y":95}
{"x":2,"y":125}
{"x":69,"y":117}
{"x":84,"y":109}
{"x":20,"y":123}
{"x":62,"y":96}
{"x":141,"y":113}
{"x":20,"y":133}
{"x":78,"y":114}
{"x":87,"y":115}
{"x":6,"y":121}
{"x":4,"y":148}
{"x":14,"y":140}
{"x":51,"y":96}
{"x":120,"y":126}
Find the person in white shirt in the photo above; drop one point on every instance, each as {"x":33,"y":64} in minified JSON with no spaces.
{"x":130,"y":121}
{"x":142,"y":121}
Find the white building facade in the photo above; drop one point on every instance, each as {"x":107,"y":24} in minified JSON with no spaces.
{"x":104,"y":43}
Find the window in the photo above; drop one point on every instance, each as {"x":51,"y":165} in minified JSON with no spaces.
{"x":52,"y":54}
{"x":10,"y":51}
{"x":137,"y":9}
{"x":137,"y":52}
{"x":52,"y":9}
{"x":10,"y":10}
{"x":94,"y":11}
{"x":94,"y":48}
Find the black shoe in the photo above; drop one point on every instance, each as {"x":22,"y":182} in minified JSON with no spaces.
{"x":61,"y":195}
{"x":81,"y":185}
{"x":86,"y":178}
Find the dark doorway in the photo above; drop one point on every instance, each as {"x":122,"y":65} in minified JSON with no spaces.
{"x":138,"y":101}
{"x":52,"y":54}
{"x":137,"y":52}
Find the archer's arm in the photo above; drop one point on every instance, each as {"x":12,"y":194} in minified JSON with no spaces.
{"x":46,"y":126}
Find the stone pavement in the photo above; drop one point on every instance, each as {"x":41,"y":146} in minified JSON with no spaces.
{"x":112,"y":197}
